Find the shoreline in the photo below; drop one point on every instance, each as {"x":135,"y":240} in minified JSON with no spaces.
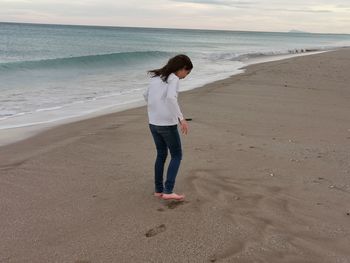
{"x":16,"y":134}
{"x":265,"y":172}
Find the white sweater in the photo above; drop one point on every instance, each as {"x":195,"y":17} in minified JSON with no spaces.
{"x":161,"y":97}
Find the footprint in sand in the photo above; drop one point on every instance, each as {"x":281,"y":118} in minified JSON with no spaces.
{"x":155,"y":231}
{"x":114,"y":126}
{"x":212,"y":259}
{"x":173,"y":204}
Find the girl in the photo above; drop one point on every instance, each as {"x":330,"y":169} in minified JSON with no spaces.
{"x":164,"y":114}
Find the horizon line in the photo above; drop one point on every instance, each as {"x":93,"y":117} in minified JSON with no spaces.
{"x":292,"y":31}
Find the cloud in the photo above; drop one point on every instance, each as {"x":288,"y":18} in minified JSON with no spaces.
{"x":260,"y":15}
{"x":297,"y":10}
{"x":218,"y":2}
{"x":252,"y":5}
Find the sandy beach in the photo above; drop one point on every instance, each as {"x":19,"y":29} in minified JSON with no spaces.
{"x":265,"y":171}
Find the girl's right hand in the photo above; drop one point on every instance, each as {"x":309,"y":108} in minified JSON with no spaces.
{"x":184,"y":126}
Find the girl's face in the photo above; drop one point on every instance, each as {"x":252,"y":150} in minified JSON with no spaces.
{"x":182,"y":73}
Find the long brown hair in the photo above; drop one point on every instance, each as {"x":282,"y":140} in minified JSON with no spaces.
{"x":174,"y":64}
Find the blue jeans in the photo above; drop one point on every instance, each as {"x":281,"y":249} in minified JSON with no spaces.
{"x":166,"y":137}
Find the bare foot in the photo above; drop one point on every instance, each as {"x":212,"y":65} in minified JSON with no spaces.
{"x":173,"y":196}
{"x":158,"y":194}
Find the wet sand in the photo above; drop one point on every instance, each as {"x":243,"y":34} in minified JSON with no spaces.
{"x":265,"y":171}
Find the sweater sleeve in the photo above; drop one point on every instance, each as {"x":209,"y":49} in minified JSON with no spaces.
{"x":145,"y":94}
{"x":171,"y":97}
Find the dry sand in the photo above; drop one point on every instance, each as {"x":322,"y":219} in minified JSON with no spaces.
{"x":265,"y":170}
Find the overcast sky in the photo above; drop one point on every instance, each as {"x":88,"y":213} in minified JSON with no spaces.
{"x":260,"y":15}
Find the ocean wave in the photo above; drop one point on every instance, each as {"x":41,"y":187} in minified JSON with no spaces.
{"x":111,"y":59}
{"x":241,"y":57}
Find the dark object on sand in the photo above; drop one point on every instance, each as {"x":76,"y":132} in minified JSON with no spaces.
{"x":156,"y":230}
{"x":188,"y":119}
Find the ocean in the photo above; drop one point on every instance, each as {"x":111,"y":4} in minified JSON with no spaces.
{"x":50,"y":73}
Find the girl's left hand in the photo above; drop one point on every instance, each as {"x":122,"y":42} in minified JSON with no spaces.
{"x":184,"y":126}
